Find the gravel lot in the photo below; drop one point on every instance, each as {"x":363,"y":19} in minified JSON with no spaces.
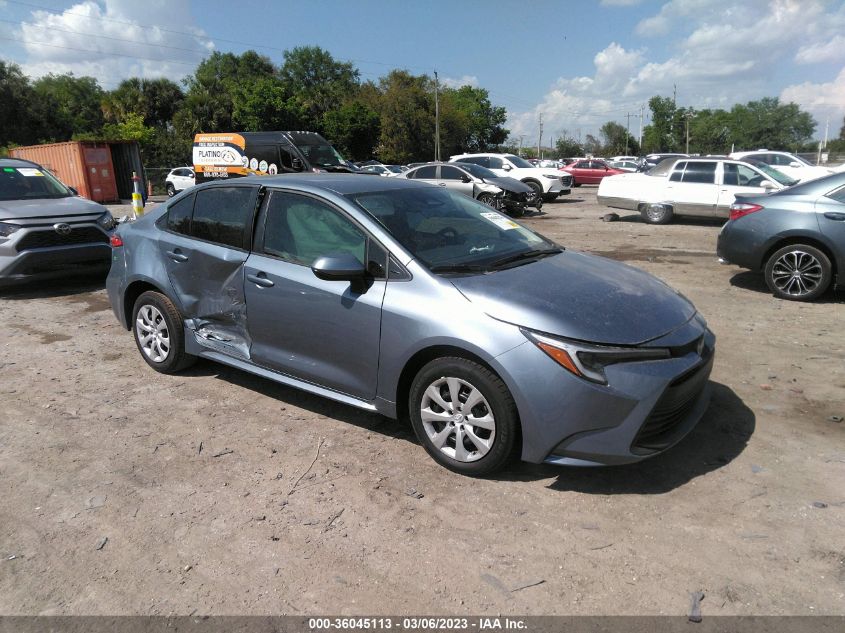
{"x":204,"y":485}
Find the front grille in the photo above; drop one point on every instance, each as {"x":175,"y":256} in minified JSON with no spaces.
{"x":48,"y":238}
{"x":566,"y":181}
{"x":674,"y":405}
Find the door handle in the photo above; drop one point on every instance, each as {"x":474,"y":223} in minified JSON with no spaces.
{"x":177,"y":256}
{"x":260,"y":279}
{"x":442,"y":184}
{"x":834,"y":215}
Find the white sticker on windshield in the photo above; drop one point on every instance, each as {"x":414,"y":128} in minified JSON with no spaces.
{"x":29,"y":171}
{"x":501,"y":221}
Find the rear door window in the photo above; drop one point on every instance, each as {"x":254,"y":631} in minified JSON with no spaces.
{"x":429,"y":171}
{"x":223,"y":215}
{"x":700,"y":172}
{"x":179,"y":216}
{"x":450,"y":173}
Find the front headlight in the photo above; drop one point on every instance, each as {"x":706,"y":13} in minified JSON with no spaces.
{"x":551,"y":176}
{"x":7,"y":229}
{"x":589,"y":361}
{"x":107,"y":221}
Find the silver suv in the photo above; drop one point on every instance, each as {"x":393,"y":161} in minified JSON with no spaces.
{"x":46,"y":229}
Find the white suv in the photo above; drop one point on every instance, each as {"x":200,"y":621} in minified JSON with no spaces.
{"x":179,"y":179}
{"x":784,"y":162}
{"x":545,"y":181}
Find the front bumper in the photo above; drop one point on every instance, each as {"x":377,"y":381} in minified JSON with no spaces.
{"x":37,"y":254}
{"x":646,"y":408}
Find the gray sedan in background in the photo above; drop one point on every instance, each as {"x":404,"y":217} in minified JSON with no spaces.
{"x":480,"y":183}
{"x":408,"y":299}
{"x":796,"y":236}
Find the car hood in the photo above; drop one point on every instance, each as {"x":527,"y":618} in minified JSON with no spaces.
{"x":48,"y":208}
{"x":582,"y":297}
{"x":509,"y":184}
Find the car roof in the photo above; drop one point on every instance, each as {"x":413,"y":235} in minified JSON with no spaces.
{"x":342,"y":184}
{"x":16,"y":162}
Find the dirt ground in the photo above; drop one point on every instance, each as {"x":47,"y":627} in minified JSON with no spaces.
{"x":222,"y":493}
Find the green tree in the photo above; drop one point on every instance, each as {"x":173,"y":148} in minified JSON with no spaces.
{"x":659,"y":136}
{"x":567,"y":147}
{"x":317,"y":81}
{"x":353,"y":129}
{"x":406,"y":110}
{"x":17,"y":99}
{"x":617,"y":140}
{"x":156,"y":100}
{"x":769,"y":123}
{"x":68,"y":105}
{"x":481,"y":123}
{"x":266,"y":104}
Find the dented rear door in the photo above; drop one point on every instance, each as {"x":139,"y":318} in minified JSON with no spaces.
{"x":205,"y":263}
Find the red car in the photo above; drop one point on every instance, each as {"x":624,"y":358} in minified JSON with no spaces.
{"x":590,"y":171}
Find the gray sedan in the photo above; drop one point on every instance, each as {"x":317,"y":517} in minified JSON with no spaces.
{"x":480,"y":183}
{"x":411,"y":300}
{"x":796,"y":236}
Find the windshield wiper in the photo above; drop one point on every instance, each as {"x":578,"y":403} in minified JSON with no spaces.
{"x":525,"y":256}
{"x":459,"y":268}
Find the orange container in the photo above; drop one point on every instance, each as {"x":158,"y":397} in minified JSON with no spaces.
{"x":86,"y":166}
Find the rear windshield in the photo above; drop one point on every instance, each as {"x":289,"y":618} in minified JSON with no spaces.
{"x":30,"y":183}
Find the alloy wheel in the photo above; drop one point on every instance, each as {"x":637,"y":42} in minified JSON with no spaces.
{"x":458,"y":419}
{"x":797,"y":273}
{"x":153,"y":334}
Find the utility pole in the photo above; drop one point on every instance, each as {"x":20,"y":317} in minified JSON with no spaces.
{"x":687,"y":115}
{"x":436,"y":120}
{"x":519,"y":151}
{"x":642,"y":116}
{"x":540,"y":138}
{"x":627,"y":131}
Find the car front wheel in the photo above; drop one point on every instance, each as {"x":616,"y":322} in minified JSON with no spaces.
{"x":159,"y":333}
{"x":798,"y":272}
{"x":464,"y":416}
{"x":657,"y":213}
{"x":171,"y":190}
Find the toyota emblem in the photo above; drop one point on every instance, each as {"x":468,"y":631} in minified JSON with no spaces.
{"x":62,"y":228}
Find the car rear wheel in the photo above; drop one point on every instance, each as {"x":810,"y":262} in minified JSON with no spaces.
{"x":171,"y":190}
{"x":657,"y":213}
{"x":159,"y":333}
{"x":464,"y":416}
{"x":798,"y":272}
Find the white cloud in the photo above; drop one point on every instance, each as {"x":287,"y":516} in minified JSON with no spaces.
{"x":831,"y":51}
{"x":466,"y":80}
{"x":823,"y":100}
{"x":720,"y":54}
{"x":113,"y":40}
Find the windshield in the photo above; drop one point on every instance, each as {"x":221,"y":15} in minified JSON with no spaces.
{"x":774,"y":174}
{"x":322,"y":155}
{"x":396,"y":169}
{"x":450,"y":232}
{"x":478,"y":171}
{"x":29,"y":183}
{"x":518,"y":162}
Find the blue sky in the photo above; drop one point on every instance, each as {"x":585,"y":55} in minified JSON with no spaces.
{"x":578,"y":63}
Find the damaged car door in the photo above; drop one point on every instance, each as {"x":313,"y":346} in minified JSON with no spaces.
{"x":204,"y":249}
{"x":324,"y":331}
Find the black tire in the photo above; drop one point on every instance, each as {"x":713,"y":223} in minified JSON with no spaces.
{"x":798,"y":272}
{"x":576,"y":184}
{"x":496,"y":396}
{"x":171,"y":190}
{"x":176,"y":359}
{"x":657,"y":213}
{"x":516,"y":212}
{"x":536,"y":186}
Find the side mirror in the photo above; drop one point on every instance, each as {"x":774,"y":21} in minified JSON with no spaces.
{"x":795,"y":164}
{"x":296,"y":164}
{"x":767,"y":185}
{"x":73,"y":191}
{"x":465,"y":178}
{"x":338,"y":267}
{"x":506,"y":167}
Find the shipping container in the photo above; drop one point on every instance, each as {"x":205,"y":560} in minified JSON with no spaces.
{"x":99,"y":171}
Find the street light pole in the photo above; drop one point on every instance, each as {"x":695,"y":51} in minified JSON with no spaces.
{"x":436,"y":120}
